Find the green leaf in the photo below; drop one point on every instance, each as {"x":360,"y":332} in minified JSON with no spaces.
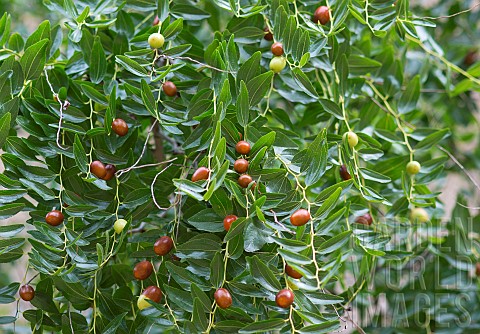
{"x":114,"y":324}
{"x":4,"y":128}
{"x":11,"y":230}
{"x":258,"y":87}
{"x":217,"y":270}
{"x":328,"y":204}
{"x":243,"y":107}
{"x":408,"y":99}
{"x":263,"y":326}
{"x":334,"y":243}
{"x":131,"y":66}
{"x":332,"y":108}
{"x":34,"y":59}
{"x":9,"y":210}
{"x":266,"y":140}
{"x":433,"y":139}
{"x":262,"y":274}
{"x":315,"y":162}
{"x":80,"y":155}
{"x":369,"y":174}
{"x":207,"y":220}
{"x":98,"y":62}
{"x":304,"y":82}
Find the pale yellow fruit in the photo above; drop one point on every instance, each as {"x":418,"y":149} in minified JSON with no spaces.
{"x":277,"y":64}
{"x":419,"y":215}
{"x":142,"y":302}
{"x":413,"y":167}
{"x":352,"y":138}
{"x":156,"y":40}
{"x":119,"y":225}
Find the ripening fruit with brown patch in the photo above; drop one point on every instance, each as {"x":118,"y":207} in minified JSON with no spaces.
{"x":201,"y":173}
{"x":153,"y":293}
{"x":277,"y":49}
{"x":156,"y":21}
{"x":163,"y":246}
{"x":169,"y":88}
{"x":471,"y":58}
{"x":284,"y":298}
{"x":365,"y":219}
{"x":477,"y":269}
{"x":300,"y":217}
{"x":321,"y":15}
{"x":98,"y":169}
{"x":292,"y":272}
{"x":223,"y":298}
{"x":228,"y":221}
{"x":111,"y":170}
{"x":268,"y":34}
{"x":26,"y":292}
{"x":120,"y":127}
{"x":244,"y":180}
{"x":242,"y":147}
{"x":241,"y":166}
{"x":54,"y":218}
{"x":143,"y":270}
{"x":344,"y":174}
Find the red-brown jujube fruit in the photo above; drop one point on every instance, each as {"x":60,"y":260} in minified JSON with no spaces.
{"x":143,"y":270}
{"x":300,"y":217}
{"x":54,"y":218}
{"x":223,"y":298}
{"x":163,"y":245}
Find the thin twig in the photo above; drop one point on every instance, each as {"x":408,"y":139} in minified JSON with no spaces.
{"x":138,"y":229}
{"x":122,"y":171}
{"x":475,"y":183}
{"x":152,"y":185}
{"x":449,"y":16}
{"x":63,"y":105}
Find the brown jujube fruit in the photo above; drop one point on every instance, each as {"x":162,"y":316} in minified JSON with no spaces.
{"x":201,"y":173}
{"x":344,"y":174}
{"x":242,"y":147}
{"x":111,"y":170}
{"x":97,"y":168}
{"x":223,"y":298}
{"x":300,"y":217}
{"x":228,"y":221}
{"x":477,"y":269}
{"x":120,"y":127}
{"x":365,"y":219}
{"x":321,"y":15}
{"x":153,"y":293}
{"x":143,"y":270}
{"x":284,"y":298}
{"x":26,"y":292}
{"x":169,"y":88}
{"x":277,"y":49}
{"x":244,"y":180}
{"x":241,"y":166}
{"x":292,"y":272}
{"x":268,"y":34}
{"x":163,"y":245}
{"x":54,"y":218}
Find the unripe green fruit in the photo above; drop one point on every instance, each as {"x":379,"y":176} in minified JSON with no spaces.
{"x":119,"y":225}
{"x":156,"y":40}
{"x":277,"y":64}
{"x":352,"y":138}
{"x":419,"y":215}
{"x":413,"y":167}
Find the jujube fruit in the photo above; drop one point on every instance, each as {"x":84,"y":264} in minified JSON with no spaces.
{"x":169,"y":88}
{"x":322,"y":15}
{"x":228,"y":221}
{"x":268,"y":34}
{"x":413,"y":167}
{"x":156,"y":40}
{"x":365,"y":219}
{"x":244,"y":180}
{"x":420,"y":215}
{"x":143,"y":270}
{"x":277,"y":49}
{"x":477,"y":269}
{"x":201,"y":173}
{"x":277,"y":64}
{"x":292,"y":272}
{"x":54,"y":218}
{"x":284,"y":298}
{"x":153,"y":293}
{"x":119,"y":225}
{"x":111,"y":170}
{"x":223,"y":298}
{"x":344,"y":174}
{"x":97,"y":168}
{"x":120,"y":127}
{"x":352,"y":138}
{"x":27,"y":292}
{"x":243,"y":147}
{"x":300,"y":217}
{"x":163,"y":245}
{"x":241,"y":166}
{"x":156,"y":21}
